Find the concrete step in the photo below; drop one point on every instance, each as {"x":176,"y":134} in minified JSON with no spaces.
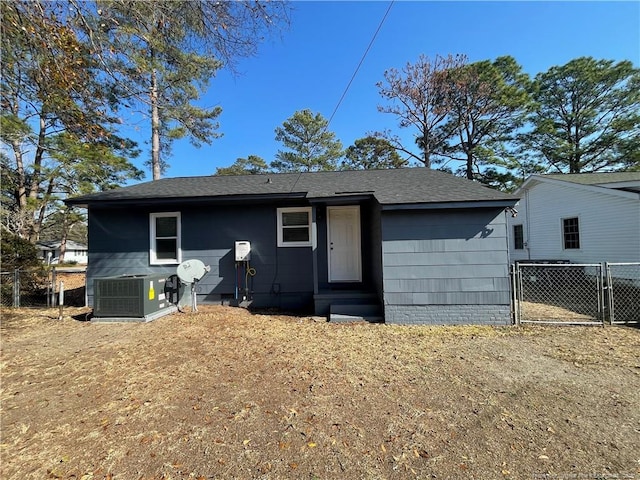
{"x":323,"y":301}
{"x":355,"y":313}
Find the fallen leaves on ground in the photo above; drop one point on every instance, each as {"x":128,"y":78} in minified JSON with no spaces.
{"x":225,"y":393}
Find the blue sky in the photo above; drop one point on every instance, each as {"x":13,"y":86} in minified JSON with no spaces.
{"x":310,"y":64}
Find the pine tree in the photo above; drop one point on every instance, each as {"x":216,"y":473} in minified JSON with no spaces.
{"x":586,"y":117}
{"x":311,"y":146}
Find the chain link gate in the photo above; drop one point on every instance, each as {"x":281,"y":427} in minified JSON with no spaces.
{"x":569,"y":294}
{"x":576,"y":294}
{"x":623,"y":288}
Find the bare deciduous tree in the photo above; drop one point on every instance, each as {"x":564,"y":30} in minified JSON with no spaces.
{"x":418,"y":96}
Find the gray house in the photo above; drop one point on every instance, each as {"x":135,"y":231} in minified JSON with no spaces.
{"x":407,"y":245}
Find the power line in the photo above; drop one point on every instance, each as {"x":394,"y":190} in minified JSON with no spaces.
{"x":344,"y":94}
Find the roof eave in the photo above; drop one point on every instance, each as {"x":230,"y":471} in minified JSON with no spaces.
{"x":340,"y":199}
{"x":155,"y":201}
{"x":606,"y":189}
{"x":503,"y":203}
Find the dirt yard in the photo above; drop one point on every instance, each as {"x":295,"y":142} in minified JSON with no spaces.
{"x":224,"y":394}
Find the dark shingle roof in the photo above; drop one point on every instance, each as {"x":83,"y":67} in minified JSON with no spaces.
{"x":397,"y":186}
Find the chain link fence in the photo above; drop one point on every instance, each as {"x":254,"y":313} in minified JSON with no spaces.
{"x":41,"y":287}
{"x":559,"y":293}
{"x":577,"y":294}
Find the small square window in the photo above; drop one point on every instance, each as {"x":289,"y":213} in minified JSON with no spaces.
{"x":518,"y":237}
{"x":294,"y":227}
{"x":164,"y":238}
{"x":571,"y":233}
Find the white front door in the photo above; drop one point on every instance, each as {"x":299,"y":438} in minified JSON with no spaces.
{"x":343,"y":225}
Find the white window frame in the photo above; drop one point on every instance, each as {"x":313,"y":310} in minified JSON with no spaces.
{"x":281,"y":227}
{"x":153,"y":259}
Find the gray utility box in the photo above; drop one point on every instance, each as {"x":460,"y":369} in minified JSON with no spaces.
{"x":135,"y":297}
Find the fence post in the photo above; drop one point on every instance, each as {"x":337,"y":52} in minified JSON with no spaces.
{"x":610,"y":293}
{"x":48,"y":294}
{"x":16,"y":288}
{"x":514,"y":299}
{"x":53,"y":287}
{"x":61,"y":303}
{"x":602,"y":294}
{"x":518,"y":292}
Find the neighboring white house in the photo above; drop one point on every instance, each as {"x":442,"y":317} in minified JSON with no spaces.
{"x":75,"y":252}
{"x":582,"y":218}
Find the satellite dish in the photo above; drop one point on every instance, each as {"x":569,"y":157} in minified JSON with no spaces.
{"x":190,"y":272}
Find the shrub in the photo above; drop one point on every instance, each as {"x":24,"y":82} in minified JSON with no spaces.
{"x":17,"y":252}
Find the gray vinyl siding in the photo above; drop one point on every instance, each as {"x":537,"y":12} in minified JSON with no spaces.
{"x":454,"y":259}
{"x":119,"y":245}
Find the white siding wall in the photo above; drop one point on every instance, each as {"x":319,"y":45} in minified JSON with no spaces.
{"x":609,"y":225}
{"x":79,"y":256}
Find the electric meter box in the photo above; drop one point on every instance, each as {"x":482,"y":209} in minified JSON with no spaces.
{"x":243,"y":251}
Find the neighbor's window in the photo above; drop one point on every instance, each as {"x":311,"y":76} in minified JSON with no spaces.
{"x":571,"y":233}
{"x":518,"y":237}
{"x":294,"y":227}
{"x":165,"y":238}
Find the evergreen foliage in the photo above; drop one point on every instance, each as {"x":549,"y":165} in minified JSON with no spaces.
{"x":372,"y":153}
{"x":56,"y":117}
{"x":252,"y":165}
{"x":488,"y":102}
{"x":17,"y":253}
{"x":162,"y":55}
{"x":311,"y":147}
{"x":586,"y":117}
{"x":502,"y":126}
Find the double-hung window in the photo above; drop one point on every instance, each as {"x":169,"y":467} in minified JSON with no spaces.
{"x":571,"y":233}
{"x":165,"y":238}
{"x":294,"y":227}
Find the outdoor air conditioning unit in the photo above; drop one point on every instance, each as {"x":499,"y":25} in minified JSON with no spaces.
{"x":135,"y":297}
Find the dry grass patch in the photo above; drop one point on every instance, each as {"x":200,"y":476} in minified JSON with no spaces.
{"x":226,"y":394}
{"x":545,"y":312}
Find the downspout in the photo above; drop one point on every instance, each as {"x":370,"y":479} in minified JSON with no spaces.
{"x":527,"y":222}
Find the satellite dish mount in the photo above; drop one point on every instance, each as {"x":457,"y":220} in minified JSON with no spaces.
{"x":190,"y":272}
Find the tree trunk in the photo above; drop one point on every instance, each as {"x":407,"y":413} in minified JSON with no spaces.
{"x":426,"y":150}
{"x":37,"y":159}
{"x":21,"y":192}
{"x":38,"y":207}
{"x":21,"y":189}
{"x":40,"y":212}
{"x":427,"y":159}
{"x":155,"y":128}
